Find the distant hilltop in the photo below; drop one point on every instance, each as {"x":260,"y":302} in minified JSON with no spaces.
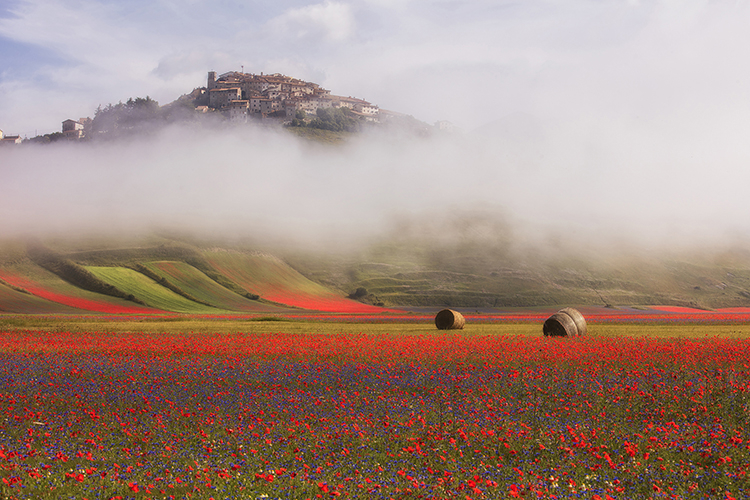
{"x":243,"y":95}
{"x":235,"y":97}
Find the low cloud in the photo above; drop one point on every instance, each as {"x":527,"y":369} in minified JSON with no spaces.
{"x":605,"y":121}
{"x":264,"y":185}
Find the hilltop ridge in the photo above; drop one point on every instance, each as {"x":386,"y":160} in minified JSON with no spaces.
{"x":236,"y":98}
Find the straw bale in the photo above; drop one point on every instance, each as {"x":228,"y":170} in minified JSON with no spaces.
{"x":560,"y":325}
{"x":448,"y":319}
{"x":577,"y":317}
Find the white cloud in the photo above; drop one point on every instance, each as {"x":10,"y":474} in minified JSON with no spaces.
{"x":328,"y":21}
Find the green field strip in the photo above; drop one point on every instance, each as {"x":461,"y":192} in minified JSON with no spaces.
{"x":200,"y":286}
{"x":13,"y":301}
{"x":149,"y":291}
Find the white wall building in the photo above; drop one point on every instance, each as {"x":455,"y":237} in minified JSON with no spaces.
{"x":8,"y":140}
{"x":72,"y":129}
{"x":367,"y":109}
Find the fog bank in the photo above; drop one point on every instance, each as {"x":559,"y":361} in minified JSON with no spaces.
{"x":540,"y":182}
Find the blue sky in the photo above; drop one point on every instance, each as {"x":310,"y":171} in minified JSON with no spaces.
{"x":468,"y":62}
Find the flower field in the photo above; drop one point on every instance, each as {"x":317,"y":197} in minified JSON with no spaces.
{"x":337,"y":413}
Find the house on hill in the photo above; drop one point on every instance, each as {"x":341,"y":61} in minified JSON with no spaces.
{"x":9,"y":139}
{"x":72,"y":129}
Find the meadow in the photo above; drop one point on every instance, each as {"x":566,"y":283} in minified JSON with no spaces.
{"x":274,"y":407}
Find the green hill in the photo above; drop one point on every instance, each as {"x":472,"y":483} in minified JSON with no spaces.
{"x":170,"y":277}
{"x":200,"y":286}
{"x":51,"y":293}
{"x":207,"y":278}
{"x":149,"y":291}
{"x":418,"y":274}
{"x":15,"y":301}
{"x":274,"y":280}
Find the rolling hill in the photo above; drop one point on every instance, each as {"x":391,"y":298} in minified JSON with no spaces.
{"x":415,"y":273}
{"x":200,"y":286}
{"x":275,"y":281}
{"x":37,"y":290}
{"x":175,"y":276}
{"x":146,"y":280}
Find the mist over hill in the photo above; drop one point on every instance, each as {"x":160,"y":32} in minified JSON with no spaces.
{"x":518,"y":212}
{"x":473,"y":260}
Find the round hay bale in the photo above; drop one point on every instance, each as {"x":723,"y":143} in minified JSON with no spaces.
{"x":448,"y":319}
{"x":560,"y":325}
{"x":577,"y":317}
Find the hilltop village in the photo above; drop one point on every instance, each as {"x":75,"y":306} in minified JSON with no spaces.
{"x":234,"y":97}
{"x":243,"y":95}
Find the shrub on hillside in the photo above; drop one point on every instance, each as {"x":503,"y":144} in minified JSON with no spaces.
{"x":335,"y":119}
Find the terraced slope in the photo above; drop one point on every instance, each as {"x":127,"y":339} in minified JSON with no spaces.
{"x":48,"y":287}
{"x":149,"y":291}
{"x":200,"y":286}
{"x":275,"y":281}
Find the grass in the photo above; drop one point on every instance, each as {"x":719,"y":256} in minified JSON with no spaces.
{"x":148,"y":290}
{"x":264,"y":323}
{"x":320,"y":136}
{"x":470,"y":275}
{"x":16,"y":301}
{"x":408,"y":271}
{"x":260,"y":273}
{"x":277,"y":282}
{"x":197,"y":284}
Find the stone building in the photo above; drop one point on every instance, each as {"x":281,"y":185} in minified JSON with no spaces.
{"x":219,"y":98}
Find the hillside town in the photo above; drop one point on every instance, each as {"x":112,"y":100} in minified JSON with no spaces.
{"x":238,"y":97}
{"x":244,"y":95}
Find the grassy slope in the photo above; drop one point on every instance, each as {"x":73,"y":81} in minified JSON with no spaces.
{"x":318,"y":135}
{"x":203,"y":288}
{"x":412,"y":278}
{"x":13,"y":301}
{"x":149,"y":291}
{"x":49,"y":281}
{"x":275,"y":281}
{"x":417,"y":276}
{"x":397,"y":274}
